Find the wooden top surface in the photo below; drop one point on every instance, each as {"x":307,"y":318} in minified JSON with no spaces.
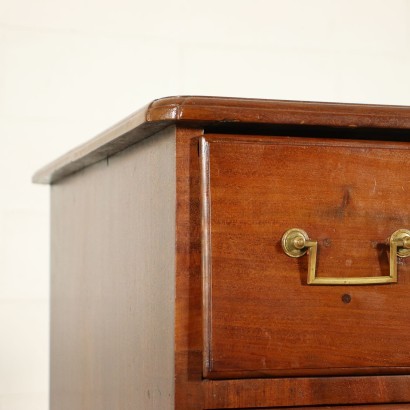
{"x":205,"y":112}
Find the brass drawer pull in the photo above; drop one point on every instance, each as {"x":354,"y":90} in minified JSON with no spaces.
{"x":296,"y":243}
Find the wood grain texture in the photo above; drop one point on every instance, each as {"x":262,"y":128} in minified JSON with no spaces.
{"x":282,"y":392}
{"x":203,"y":112}
{"x":261,"y":318}
{"x":247,"y":110}
{"x":192,"y":392}
{"x":400,"y":406}
{"x":363,"y":407}
{"x":113,"y":283}
{"x":189,"y":387}
{"x":137,"y":322}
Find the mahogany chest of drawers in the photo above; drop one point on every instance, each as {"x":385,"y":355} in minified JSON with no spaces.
{"x":216,"y":253}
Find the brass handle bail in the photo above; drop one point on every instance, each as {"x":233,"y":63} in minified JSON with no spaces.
{"x":296,"y":243}
{"x":399,"y":243}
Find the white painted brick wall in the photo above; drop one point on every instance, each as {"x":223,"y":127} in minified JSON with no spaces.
{"x":69,"y":69}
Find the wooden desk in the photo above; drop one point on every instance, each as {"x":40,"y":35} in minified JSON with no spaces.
{"x":170,"y":285}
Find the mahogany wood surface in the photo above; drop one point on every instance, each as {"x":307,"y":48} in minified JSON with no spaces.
{"x":202,"y":110}
{"x":192,"y":391}
{"x":363,"y":407}
{"x":112,"y":282}
{"x":189,"y":393}
{"x":248,"y":332}
{"x":261,"y":318}
{"x":205,"y":112}
{"x":311,"y":391}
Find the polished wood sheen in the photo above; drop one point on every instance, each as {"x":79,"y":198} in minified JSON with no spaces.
{"x":261,"y":318}
{"x":170,"y":289}
{"x":377,"y":407}
{"x":209,"y":112}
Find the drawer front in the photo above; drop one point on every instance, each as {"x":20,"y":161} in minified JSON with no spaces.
{"x":261,"y":317}
{"x":400,"y":406}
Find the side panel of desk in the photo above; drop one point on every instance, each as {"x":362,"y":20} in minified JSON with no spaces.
{"x":113,"y":281}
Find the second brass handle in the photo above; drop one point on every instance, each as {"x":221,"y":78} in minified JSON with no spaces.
{"x":296,"y":243}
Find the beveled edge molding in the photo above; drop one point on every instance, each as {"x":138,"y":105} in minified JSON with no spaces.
{"x":115,"y":139}
{"x":287,"y":112}
{"x":206,"y":255}
{"x":202,"y":111}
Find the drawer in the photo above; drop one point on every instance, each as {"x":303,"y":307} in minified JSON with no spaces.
{"x":261,"y":316}
{"x":400,"y":406}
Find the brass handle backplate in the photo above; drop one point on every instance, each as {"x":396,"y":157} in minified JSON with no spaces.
{"x":296,"y":243}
